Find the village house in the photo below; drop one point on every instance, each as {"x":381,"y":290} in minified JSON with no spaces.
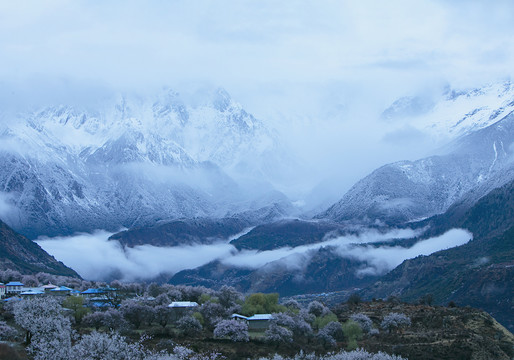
{"x":183,"y":304}
{"x":48,"y":287}
{"x":180,"y":308}
{"x":14,"y":287}
{"x":2,"y":290}
{"x":33,"y":291}
{"x":255,"y":322}
{"x":101,"y":297}
{"x":61,"y":290}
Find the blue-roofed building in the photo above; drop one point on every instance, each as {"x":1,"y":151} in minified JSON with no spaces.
{"x":13,"y":298}
{"x":14,"y":287}
{"x":32,"y":292}
{"x":255,"y":322}
{"x":92,"y":292}
{"x":100,"y":304}
{"x":259,"y":321}
{"x":239,"y":317}
{"x":101,"y":297}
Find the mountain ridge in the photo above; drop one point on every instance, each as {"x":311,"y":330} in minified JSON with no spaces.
{"x":406,"y":191}
{"x":21,"y":254}
{"x":135,"y":161}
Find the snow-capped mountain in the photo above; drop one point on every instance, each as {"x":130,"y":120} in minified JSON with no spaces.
{"x":479,"y":159}
{"x":454,"y":113}
{"x":132,"y":161}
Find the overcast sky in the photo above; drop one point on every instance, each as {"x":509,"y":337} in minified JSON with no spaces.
{"x":302,"y":60}
{"x":250,"y":47}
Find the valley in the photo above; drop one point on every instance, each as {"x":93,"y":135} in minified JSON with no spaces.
{"x":436,"y":229}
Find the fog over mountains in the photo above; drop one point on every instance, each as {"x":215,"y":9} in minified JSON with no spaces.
{"x":199,"y":179}
{"x":477,"y":161}
{"x":134,"y":161}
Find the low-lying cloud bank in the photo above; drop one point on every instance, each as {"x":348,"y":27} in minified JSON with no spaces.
{"x":94,"y":257}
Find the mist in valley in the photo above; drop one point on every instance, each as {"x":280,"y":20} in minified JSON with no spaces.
{"x":95,"y":257}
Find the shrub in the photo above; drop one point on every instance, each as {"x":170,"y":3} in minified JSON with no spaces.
{"x":321,"y":322}
{"x":352,"y":331}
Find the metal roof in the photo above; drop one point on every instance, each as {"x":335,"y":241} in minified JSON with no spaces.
{"x":183,"y":304}
{"x":62,"y":288}
{"x":15,"y":283}
{"x":260,"y":317}
{"x":239,"y":316}
{"x":49,"y":286}
{"x":254,"y":318}
{"x":32,"y":292}
{"x":93,"y":291}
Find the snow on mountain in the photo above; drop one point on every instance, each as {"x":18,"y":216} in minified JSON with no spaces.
{"x":132,"y":161}
{"x":455,"y":112}
{"x":479,"y":159}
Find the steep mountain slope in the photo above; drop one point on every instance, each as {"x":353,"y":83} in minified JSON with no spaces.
{"x":182,"y":232}
{"x":319,"y":270}
{"x":284,"y":233}
{"x":408,"y":190}
{"x":480,"y":273}
{"x":133,"y":161}
{"x":21,"y":254}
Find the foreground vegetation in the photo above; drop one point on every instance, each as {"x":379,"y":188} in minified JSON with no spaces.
{"x":139,"y":324}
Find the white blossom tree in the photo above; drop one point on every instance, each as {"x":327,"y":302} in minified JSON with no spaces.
{"x":102,"y":346}
{"x":48,"y":332}
{"x":330,"y":333}
{"x":7,"y":333}
{"x":278,"y":334}
{"x":189,"y":325}
{"x":394,"y":321}
{"x":317,"y":309}
{"x":364,"y":322}
{"x":235,"y":330}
